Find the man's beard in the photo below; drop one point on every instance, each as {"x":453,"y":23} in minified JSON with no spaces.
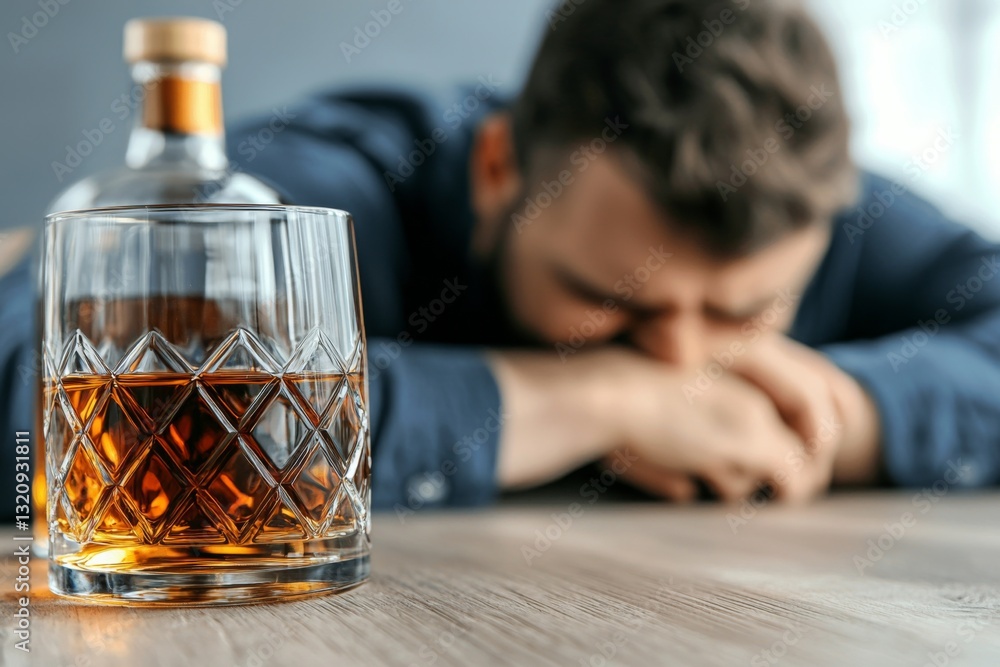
{"x":496,"y":264}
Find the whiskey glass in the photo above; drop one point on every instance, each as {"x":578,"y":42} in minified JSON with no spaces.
{"x":205,"y":404}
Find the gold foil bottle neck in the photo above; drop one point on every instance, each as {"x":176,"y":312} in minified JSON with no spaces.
{"x":183,"y":106}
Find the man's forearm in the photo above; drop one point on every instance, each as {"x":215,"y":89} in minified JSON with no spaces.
{"x":556,"y":418}
{"x":859,"y":459}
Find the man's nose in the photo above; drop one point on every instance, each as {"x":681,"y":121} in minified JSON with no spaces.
{"x":674,"y":338}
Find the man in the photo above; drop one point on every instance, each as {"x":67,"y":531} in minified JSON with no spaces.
{"x":659,"y":258}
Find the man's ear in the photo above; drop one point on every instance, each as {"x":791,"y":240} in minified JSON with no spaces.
{"x":14,"y":245}
{"x":494,"y":178}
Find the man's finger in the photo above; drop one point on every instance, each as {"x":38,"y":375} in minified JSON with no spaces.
{"x":795,"y":389}
{"x":665,"y":483}
{"x":731,"y":485}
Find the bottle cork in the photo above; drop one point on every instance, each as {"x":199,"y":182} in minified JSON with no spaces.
{"x":176,"y":39}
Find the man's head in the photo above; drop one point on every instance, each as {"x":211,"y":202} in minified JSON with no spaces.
{"x":670,"y":167}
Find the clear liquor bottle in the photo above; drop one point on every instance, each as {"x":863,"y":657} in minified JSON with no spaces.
{"x":176,"y":151}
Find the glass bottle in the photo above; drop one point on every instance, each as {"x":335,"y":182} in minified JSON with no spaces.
{"x":176,"y":151}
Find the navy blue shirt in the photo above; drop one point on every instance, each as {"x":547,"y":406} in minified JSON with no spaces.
{"x":905,"y":300}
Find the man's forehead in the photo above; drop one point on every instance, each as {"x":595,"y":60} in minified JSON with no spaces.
{"x":608,"y":212}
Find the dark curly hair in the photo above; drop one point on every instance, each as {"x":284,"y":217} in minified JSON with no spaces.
{"x":737,"y":126}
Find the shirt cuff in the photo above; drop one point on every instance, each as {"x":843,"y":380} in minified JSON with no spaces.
{"x":436,"y":423}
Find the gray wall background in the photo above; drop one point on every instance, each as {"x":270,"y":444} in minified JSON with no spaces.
{"x":65,"y":78}
{"x":906,"y":75}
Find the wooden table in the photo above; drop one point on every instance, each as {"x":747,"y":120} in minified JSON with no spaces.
{"x":875,"y":579}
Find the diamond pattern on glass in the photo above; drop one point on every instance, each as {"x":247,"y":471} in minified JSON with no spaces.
{"x":126,"y":449}
{"x":84,"y":395}
{"x":50,"y":389}
{"x":278,"y":429}
{"x":154,"y":487}
{"x":196,"y":430}
{"x":240,"y":351}
{"x":242,"y":395}
{"x":343,"y":518}
{"x":59,"y":437}
{"x":114,"y":434}
{"x":359,"y":476}
{"x":281,"y":523}
{"x":346,"y":422}
{"x":315,"y":354}
{"x":116,"y":523}
{"x":80,"y":358}
{"x":356,"y":359}
{"x":149,"y":402}
{"x":82,"y":487}
{"x":152,"y":354}
{"x":313,"y":372}
{"x":58,"y":515}
{"x":318,"y":392}
{"x":194,"y":525}
{"x":315,"y":485}
{"x":240,"y":487}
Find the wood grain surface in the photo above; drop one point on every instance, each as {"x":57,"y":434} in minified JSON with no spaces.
{"x":873,"y":579}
